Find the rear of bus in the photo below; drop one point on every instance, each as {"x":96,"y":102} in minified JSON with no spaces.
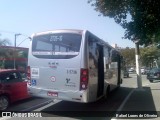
{"x":55,"y":65}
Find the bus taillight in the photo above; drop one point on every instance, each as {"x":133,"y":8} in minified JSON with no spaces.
{"x":84,"y":79}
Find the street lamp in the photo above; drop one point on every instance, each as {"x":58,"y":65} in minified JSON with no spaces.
{"x":15,"y":36}
{"x":24,"y":40}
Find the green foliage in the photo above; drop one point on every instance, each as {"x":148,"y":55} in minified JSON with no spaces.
{"x":129,"y":56}
{"x":149,"y":54}
{"x":4,"y":42}
{"x":145,"y":17}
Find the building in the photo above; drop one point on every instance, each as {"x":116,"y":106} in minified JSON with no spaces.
{"x":11,"y":57}
{"x":116,"y":46}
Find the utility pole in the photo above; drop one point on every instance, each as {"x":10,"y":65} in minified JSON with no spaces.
{"x":138,"y":72}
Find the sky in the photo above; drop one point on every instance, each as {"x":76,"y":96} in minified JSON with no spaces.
{"x":30,"y":16}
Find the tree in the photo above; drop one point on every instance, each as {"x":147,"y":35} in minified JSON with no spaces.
{"x":149,"y":55}
{"x":129,"y":56}
{"x":4,"y":42}
{"x":145,"y":17}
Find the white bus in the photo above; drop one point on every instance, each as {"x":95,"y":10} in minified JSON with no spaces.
{"x":72,"y":65}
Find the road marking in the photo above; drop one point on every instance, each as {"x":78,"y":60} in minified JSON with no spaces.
{"x":38,"y":105}
{"x":48,"y":105}
{"x":44,"y":107}
{"x":125,"y":100}
{"x":123,"y":103}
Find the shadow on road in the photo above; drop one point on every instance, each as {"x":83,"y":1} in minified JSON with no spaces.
{"x":26,"y":104}
{"x":128,"y":77}
{"x":100,"y":108}
{"x":140,"y":101}
{"x":155,"y":81}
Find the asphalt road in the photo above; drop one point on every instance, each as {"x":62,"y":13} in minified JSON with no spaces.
{"x":35,"y":102}
{"x":70,"y":110}
{"x":100,"y":108}
{"x":29,"y":104}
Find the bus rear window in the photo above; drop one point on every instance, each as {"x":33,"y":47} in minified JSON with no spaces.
{"x":56,"y":46}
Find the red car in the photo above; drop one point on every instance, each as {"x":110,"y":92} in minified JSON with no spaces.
{"x":13,"y":87}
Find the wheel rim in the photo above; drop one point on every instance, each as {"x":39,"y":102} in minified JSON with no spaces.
{"x":3,"y":103}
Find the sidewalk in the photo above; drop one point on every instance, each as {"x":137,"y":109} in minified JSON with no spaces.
{"x":142,"y":104}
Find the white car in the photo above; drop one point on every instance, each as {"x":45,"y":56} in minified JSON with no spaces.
{"x":131,"y":70}
{"x":143,"y":71}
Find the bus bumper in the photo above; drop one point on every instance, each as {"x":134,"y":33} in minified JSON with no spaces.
{"x":68,"y":95}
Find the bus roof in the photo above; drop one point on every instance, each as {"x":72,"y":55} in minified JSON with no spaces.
{"x":58,"y":31}
{"x":78,"y":31}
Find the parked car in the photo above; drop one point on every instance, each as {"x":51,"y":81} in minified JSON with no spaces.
{"x":13,"y":87}
{"x":131,"y":70}
{"x":147,"y":70}
{"x":153,"y":74}
{"x":143,"y":71}
{"x":125,"y":73}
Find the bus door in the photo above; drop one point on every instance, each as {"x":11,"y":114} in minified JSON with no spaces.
{"x":100,"y":85}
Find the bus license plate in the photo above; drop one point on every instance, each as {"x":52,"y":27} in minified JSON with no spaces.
{"x":53,"y":94}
